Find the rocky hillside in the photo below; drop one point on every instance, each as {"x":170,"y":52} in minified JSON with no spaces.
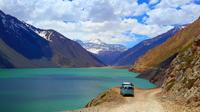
{"x":22,"y":45}
{"x":182,"y":78}
{"x":157,"y":75}
{"x":131,"y":55}
{"x":109,"y":96}
{"x":179,"y":42}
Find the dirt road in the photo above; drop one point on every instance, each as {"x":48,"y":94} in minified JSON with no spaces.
{"x":144,"y":101}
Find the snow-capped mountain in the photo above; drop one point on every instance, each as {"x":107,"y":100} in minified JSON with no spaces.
{"x":96,"y":46}
{"x":103,"y":51}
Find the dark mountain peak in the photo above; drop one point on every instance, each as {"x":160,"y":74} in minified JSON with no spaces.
{"x":79,"y":41}
{"x":20,"y":38}
{"x":2,"y":13}
{"x":131,"y":55}
{"x":162,"y":36}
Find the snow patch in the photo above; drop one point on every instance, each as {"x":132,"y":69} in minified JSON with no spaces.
{"x":44,"y":35}
{"x":95,"y":41}
{"x":94,"y":50}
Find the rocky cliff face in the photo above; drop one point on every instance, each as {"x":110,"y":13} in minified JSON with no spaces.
{"x":182,"y":78}
{"x":157,"y":74}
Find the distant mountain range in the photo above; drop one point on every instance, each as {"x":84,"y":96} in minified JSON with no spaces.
{"x":23,"y":45}
{"x":96,"y":46}
{"x":103,"y":51}
{"x":131,"y":55}
{"x":119,"y":55}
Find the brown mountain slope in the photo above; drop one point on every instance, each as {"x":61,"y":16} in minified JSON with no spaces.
{"x":177,"y":43}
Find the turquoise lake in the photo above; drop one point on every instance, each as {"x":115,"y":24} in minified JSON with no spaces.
{"x":58,"y":89}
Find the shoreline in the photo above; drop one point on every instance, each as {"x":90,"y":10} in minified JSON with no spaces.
{"x":113,"y":67}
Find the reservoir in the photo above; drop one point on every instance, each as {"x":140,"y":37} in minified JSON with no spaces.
{"x":58,"y":89}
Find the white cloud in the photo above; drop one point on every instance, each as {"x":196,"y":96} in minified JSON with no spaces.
{"x":153,"y":1}
{"x":128,"y":7}
{"x":173,"y":3}
{"x":141,"y":9}
{"x":150,"y":30}
{"x":170,"y":16}
{"x":102,"y":11}
{"x":103,"y":19}
{"x":42,"y":9}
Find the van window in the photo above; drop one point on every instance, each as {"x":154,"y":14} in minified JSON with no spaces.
{"x":130,"y":88}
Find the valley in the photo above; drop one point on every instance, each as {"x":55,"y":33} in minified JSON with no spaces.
{"x":73,"y":56}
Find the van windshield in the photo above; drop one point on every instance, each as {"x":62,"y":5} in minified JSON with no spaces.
{"x":128,"y":87}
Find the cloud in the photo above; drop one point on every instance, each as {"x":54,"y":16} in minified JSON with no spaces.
{"x":88,"y":30}
{"x":149,"y":30}
{"x":102,"y":11}
{"x":104,"y":19}
{"x":170,"y":16}
{"x":174,"y":3}
{"x":42,"y":9}
{"x":128,"y":7}
{"x":153,"y":1}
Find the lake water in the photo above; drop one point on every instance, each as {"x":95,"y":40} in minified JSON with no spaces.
{"x":58,"y":89}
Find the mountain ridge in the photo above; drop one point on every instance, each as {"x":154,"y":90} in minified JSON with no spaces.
{"x":131,"y":55}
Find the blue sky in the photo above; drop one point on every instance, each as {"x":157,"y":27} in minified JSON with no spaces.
{"x":112,"y":21}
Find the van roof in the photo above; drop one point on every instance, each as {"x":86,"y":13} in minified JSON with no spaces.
{"x":128,"y":83}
